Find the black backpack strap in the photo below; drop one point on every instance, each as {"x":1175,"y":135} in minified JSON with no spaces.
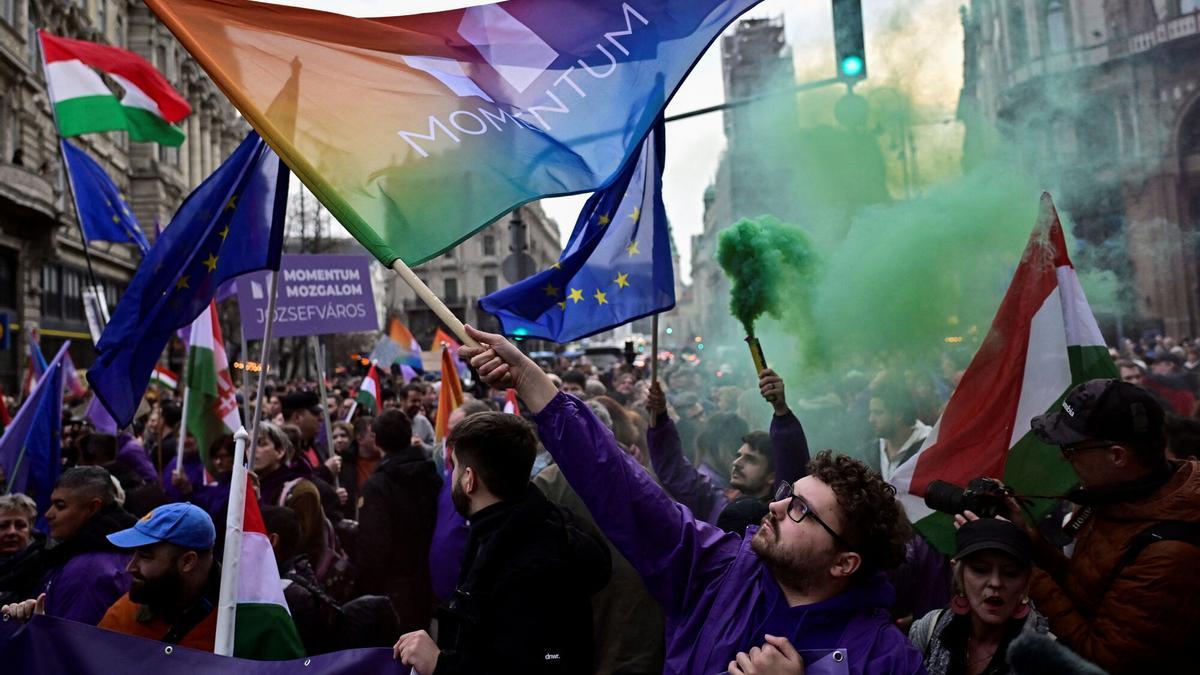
{"x":1167,"y":530}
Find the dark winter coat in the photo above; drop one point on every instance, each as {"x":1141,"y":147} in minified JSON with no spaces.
{"x":523,"y":604}
{"x":395,"y":527}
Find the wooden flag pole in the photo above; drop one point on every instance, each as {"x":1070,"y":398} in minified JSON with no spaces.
{"x":434,"y":302}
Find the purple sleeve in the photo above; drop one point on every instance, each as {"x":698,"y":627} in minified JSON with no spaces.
{"x":86,"y":586}
{"x":134,"y":456}
{"x":679,"y":478}
{"x":676,"y":555}
{"x":790,"y":446}
{"x":449,"y":544}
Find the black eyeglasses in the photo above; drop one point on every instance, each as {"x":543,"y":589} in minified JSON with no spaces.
{"x":798,"y":510}
{"x":1069,"y":450}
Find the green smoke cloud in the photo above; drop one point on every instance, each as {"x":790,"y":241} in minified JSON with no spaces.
{"x":764,"y":260}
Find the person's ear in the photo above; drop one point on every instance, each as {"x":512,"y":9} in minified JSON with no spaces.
{"x":188,"y":561}
{"x":845,"y":565}
{"x":273,"y":537}
{"x":1121,"y":456}
{"x":468,"y":480}
{"x":94,"y":505}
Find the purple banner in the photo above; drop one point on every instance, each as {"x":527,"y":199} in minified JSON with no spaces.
{"x":48,"y":645}
{"x":318,"y":295}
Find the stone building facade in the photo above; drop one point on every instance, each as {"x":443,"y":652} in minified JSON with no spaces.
{"x":43,"y":268}
{"x":1110,"y":89}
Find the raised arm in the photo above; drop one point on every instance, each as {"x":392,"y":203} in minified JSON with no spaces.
{"x":678,"y":477}
{"x":675,"y":554}
{"x":788,"y":442}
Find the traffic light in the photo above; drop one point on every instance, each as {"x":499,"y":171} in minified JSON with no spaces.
{"x":848,"y":40}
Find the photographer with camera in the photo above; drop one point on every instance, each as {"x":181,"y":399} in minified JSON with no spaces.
{"x":1126,"y":599}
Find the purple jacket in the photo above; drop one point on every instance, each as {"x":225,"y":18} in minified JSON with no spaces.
{"x":193,"y":468}
{"x":690,"y":487}
{"x":133,"y":455}
{"x":449,"y":544}
{"x":85,"y":586}
{"x":718,"y":597}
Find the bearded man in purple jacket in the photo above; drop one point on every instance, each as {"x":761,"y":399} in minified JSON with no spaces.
{"x":811,"y":576}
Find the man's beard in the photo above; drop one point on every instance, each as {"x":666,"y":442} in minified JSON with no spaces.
{"x":799,"y":571}
{"x":160,"y":593}
{"x":461,"y":502}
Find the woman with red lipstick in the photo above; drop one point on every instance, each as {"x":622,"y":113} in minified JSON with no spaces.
{"x":990,"y":606}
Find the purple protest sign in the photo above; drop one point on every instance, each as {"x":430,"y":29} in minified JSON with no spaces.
{"x":318,"y":295}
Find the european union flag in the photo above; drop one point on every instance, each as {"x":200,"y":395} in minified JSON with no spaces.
{"x":232,"y":224}
{"x":102,"y":210}
{"x":30,"y":448}
{"x":616,"y":267}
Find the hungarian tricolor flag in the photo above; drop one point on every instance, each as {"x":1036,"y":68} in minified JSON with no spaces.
{"x":417,"y":123}
{"x":368,"y":393}
{"x":1043,"y":341}
{"x":164,"y":377}
{"x":450,"y":396}
{"x":263,"y":627}
{"x":212,"y":408}
{"x":83,"y":103}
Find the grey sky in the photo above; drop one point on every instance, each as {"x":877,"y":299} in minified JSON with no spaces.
{"x":923,"y":39}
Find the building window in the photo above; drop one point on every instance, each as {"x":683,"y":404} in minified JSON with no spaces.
{"x":8,"y":279}
{"x":102,"y":16}
{"x":1056,"y":27}
{"x":8,"y":11}
{"x":1018,"y":38}
{"x":51,"y":291}
{"x":32,"y":43}
{"x":72,"y":295}
{"x":489,"y":244}
{"x":490,"y":284}
{"x":450,"y":285}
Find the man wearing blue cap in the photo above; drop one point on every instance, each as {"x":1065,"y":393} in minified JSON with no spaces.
{"x":175,"y":581}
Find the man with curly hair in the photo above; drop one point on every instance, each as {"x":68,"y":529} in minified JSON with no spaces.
{"x":807,"y":585}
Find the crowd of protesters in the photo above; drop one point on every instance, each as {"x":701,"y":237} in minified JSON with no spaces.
{"x":619,"y":525}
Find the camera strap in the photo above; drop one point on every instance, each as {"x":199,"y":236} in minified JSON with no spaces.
{"x":1077,"y":521}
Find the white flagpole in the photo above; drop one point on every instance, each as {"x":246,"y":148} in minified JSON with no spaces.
{"x":266,"y":356}
{"x":245,"y":373}
{"x":320,"y":354}
{"x":183,"y":415}
{"x":230,"y":563}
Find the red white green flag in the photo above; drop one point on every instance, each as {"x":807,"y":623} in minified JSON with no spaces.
{"x":1043,"y":341}
{"x":148,"y":109}
{"x":368,"y":393}
{"x":263,"y":628}
{"x":212,"y":400}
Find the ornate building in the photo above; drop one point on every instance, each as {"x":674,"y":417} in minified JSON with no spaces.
{"x":1109,"y":91}
{"x":43,"y":269}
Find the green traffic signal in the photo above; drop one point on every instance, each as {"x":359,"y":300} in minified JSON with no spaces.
{"x":852,"y":66}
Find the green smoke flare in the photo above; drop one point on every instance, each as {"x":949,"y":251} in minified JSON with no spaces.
{"x":765,"y":261}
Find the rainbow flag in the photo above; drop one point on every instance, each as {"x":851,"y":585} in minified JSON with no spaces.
{"x":417,"y":123}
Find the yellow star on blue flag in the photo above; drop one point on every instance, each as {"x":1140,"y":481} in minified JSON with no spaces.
{"x":205,"y":245}
{"x":626,"y":260}
{"x":103,"y":213}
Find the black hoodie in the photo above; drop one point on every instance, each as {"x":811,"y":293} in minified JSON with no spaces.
{"x":523,"y":603}
{"x":395,"y":528}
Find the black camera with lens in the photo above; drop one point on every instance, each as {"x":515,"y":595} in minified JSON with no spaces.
{"x":985,"y":497}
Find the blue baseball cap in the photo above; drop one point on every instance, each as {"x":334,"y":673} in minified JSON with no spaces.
{"x":181,"y":524}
